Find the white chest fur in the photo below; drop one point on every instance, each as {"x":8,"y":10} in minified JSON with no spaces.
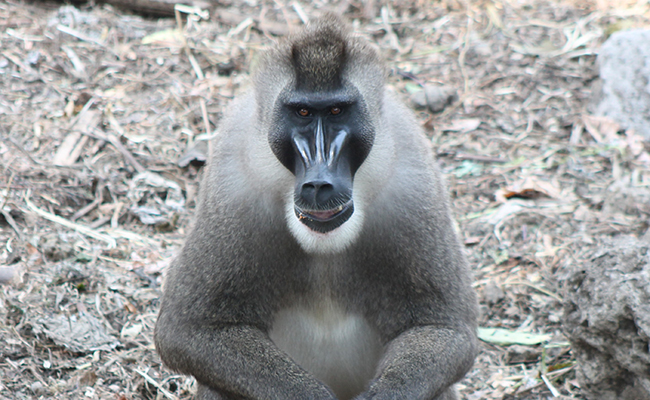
{"x":340,"y":349}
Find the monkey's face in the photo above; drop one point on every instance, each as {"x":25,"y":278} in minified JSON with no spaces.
{"x":322,"y":138}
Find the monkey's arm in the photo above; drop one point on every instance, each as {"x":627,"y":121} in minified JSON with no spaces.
{"x":422,"y":363}
{"x":235,"y":361}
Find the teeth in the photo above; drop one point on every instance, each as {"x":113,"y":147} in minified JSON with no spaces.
{"x":339,"y":208}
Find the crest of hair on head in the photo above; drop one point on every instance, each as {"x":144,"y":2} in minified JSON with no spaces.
{"x":319,"y":54}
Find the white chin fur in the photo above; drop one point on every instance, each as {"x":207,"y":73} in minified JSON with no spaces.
{"x":325,"y":243}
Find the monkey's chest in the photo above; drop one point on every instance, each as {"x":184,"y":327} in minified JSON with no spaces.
{"x":340,"y":349}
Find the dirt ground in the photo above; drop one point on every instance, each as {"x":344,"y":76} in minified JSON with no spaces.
{"x":102,"y":116}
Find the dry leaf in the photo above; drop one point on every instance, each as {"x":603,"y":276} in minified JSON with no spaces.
{"x":131,"y":332}
{"x":602,"y":129}
{"x":70,"y":150}
{"x":530,"y":188}
{"x":462,"y":125}
{"x":634,"y":142}
{"x":157,"y":267}
{"x":168,"y":37}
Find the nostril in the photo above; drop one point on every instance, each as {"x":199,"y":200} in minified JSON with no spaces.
{"x":317,"y":193}
{"x":324,"y":193}
{"x":308,"y":192}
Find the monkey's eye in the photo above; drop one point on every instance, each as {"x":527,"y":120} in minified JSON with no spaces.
{"x":335,"y":110}
{"x":303,"y":112}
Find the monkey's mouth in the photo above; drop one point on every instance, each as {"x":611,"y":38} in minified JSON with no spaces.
{"x":324,"y":221}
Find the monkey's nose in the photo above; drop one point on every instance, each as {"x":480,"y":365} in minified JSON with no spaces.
{"x":317,"y":193}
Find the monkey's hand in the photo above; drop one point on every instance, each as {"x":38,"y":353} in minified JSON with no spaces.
{"x":423,"y":363}
{"x":238,"y":361}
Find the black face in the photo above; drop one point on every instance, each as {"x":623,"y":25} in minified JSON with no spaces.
{"x":323,"y":138}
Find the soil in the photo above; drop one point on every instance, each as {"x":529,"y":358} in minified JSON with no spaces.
{"x":102,"y":120}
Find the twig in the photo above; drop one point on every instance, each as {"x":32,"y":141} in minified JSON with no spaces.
{"x":484,"y":240}
{"x":195,"y":65}
{"x":301,"y":13}
{"x":79,"y":35}
{"x":99,"y":197}
{"x":559,"y":372}
{"x":394,"y":41}
{"x":11,"y":57}
{"x":73,"y":144}
{"x":20,"y":148}
{"x":10,"y":220}
{"x":6,"y":196}
{"x":118,"y":145}
{"x":126,"y":153}
{"x":266,"y":27}
{"x":285,"y":14}
{"x":550,"y":386}
{"x":463,"y":50}
{"x":197,"y":70}
{"x":62,"y":221}
{"x":81,"y":113}
{"x":473,"y":157}
{"x":262,"y":23}
{"x":157,"y":385}
{"x":204,"y":114}
{"x":410,"y":76}
{"x":76,"y":61}
{"x":241,"y":26}
{"x":194,"y":10}
{"x":132,"y":236}
{"x":116,"y":215}
{"x":36,"y":162}
{"x":99,"y":222}
{"x":539,"y":289}
{"x":485,"y":159}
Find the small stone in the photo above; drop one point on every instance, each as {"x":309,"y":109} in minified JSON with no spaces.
{"x":492,"y":293}
{"x":88,"y":379}
{"x":435,"y":98}
{"x":37,"y":388}
{"x":522,"y":354}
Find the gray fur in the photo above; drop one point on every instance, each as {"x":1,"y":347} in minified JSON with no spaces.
{"x":242,"y":278}
{"x":317,"y":59}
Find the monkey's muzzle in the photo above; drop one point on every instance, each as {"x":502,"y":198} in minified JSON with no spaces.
{"x":324,"y":221}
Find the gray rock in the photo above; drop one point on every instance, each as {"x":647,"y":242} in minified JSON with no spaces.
{"x":492,"y":293}
{"x":517,"y":354}
{"x":433,"y":97}
{"x":607,"y":320}
{"x":623,"y":92}
{"x":38,"y":388}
